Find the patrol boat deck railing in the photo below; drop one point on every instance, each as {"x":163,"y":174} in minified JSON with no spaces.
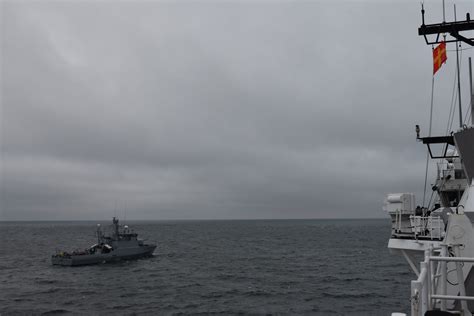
{"x":429,"y":291}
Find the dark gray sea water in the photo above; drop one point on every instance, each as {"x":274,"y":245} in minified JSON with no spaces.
{"x":314,"y":267}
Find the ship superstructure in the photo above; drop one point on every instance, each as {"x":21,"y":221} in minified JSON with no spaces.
{"x":440,"y":234}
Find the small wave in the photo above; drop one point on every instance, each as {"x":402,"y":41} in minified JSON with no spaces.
{"x":87,"y":292}
{"x":21,"y":299}
{"x":121,"y":306}
{"x":171,"y":306}
{"x":212,"y":295}
{"x":52,"y":290}
{"x":259,"y":293}
{"x":56,"y":312}
{"x":329,"y":278}
{"x":225,"y":277}
{"x":129,"y":294}
{"x":352,"y":295}
{"x":232,"y":291}
{"x":352,"y":279}
{"x":46,"y":281}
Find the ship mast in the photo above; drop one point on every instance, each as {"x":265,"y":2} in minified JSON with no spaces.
{"x":454,"y":29}
{"x":459,"y":76}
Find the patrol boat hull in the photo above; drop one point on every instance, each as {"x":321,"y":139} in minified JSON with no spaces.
{"x":118,"y":255}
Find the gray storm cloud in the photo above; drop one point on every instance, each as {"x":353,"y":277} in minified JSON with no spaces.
{"x":213,"y":110}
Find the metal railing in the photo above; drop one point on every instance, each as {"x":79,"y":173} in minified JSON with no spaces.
{"x":448,"y":169}
{"x":427,"y":226}
{"x":398,"y":220}
{"x":429,"y":291}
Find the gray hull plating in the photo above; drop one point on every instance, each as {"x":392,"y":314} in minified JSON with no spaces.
{"x":465,"y":144}
{"x":118,"y":255}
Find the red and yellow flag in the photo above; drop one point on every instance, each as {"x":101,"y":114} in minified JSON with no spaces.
{"x":439,"y":56}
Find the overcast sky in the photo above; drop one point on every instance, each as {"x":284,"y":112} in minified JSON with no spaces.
{"x":216,"y":109}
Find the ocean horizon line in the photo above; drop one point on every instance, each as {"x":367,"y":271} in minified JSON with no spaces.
{"x":196,"y":219}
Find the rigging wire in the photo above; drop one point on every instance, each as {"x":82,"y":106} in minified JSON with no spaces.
{"x":431,"y":197}
{"x":429,"y":135}
{"x":461,"y":49}
{"x":468,"y":113}
{"x":458,"y":66}
{"x":453,"y":111}
{"x":453,"y":101}
{"x":453,"y":105}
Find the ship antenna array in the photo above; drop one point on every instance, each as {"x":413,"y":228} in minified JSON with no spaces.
{"x":454,"y":29}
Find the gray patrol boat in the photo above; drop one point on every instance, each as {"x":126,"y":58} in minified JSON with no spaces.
{"x":122,"y":244}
